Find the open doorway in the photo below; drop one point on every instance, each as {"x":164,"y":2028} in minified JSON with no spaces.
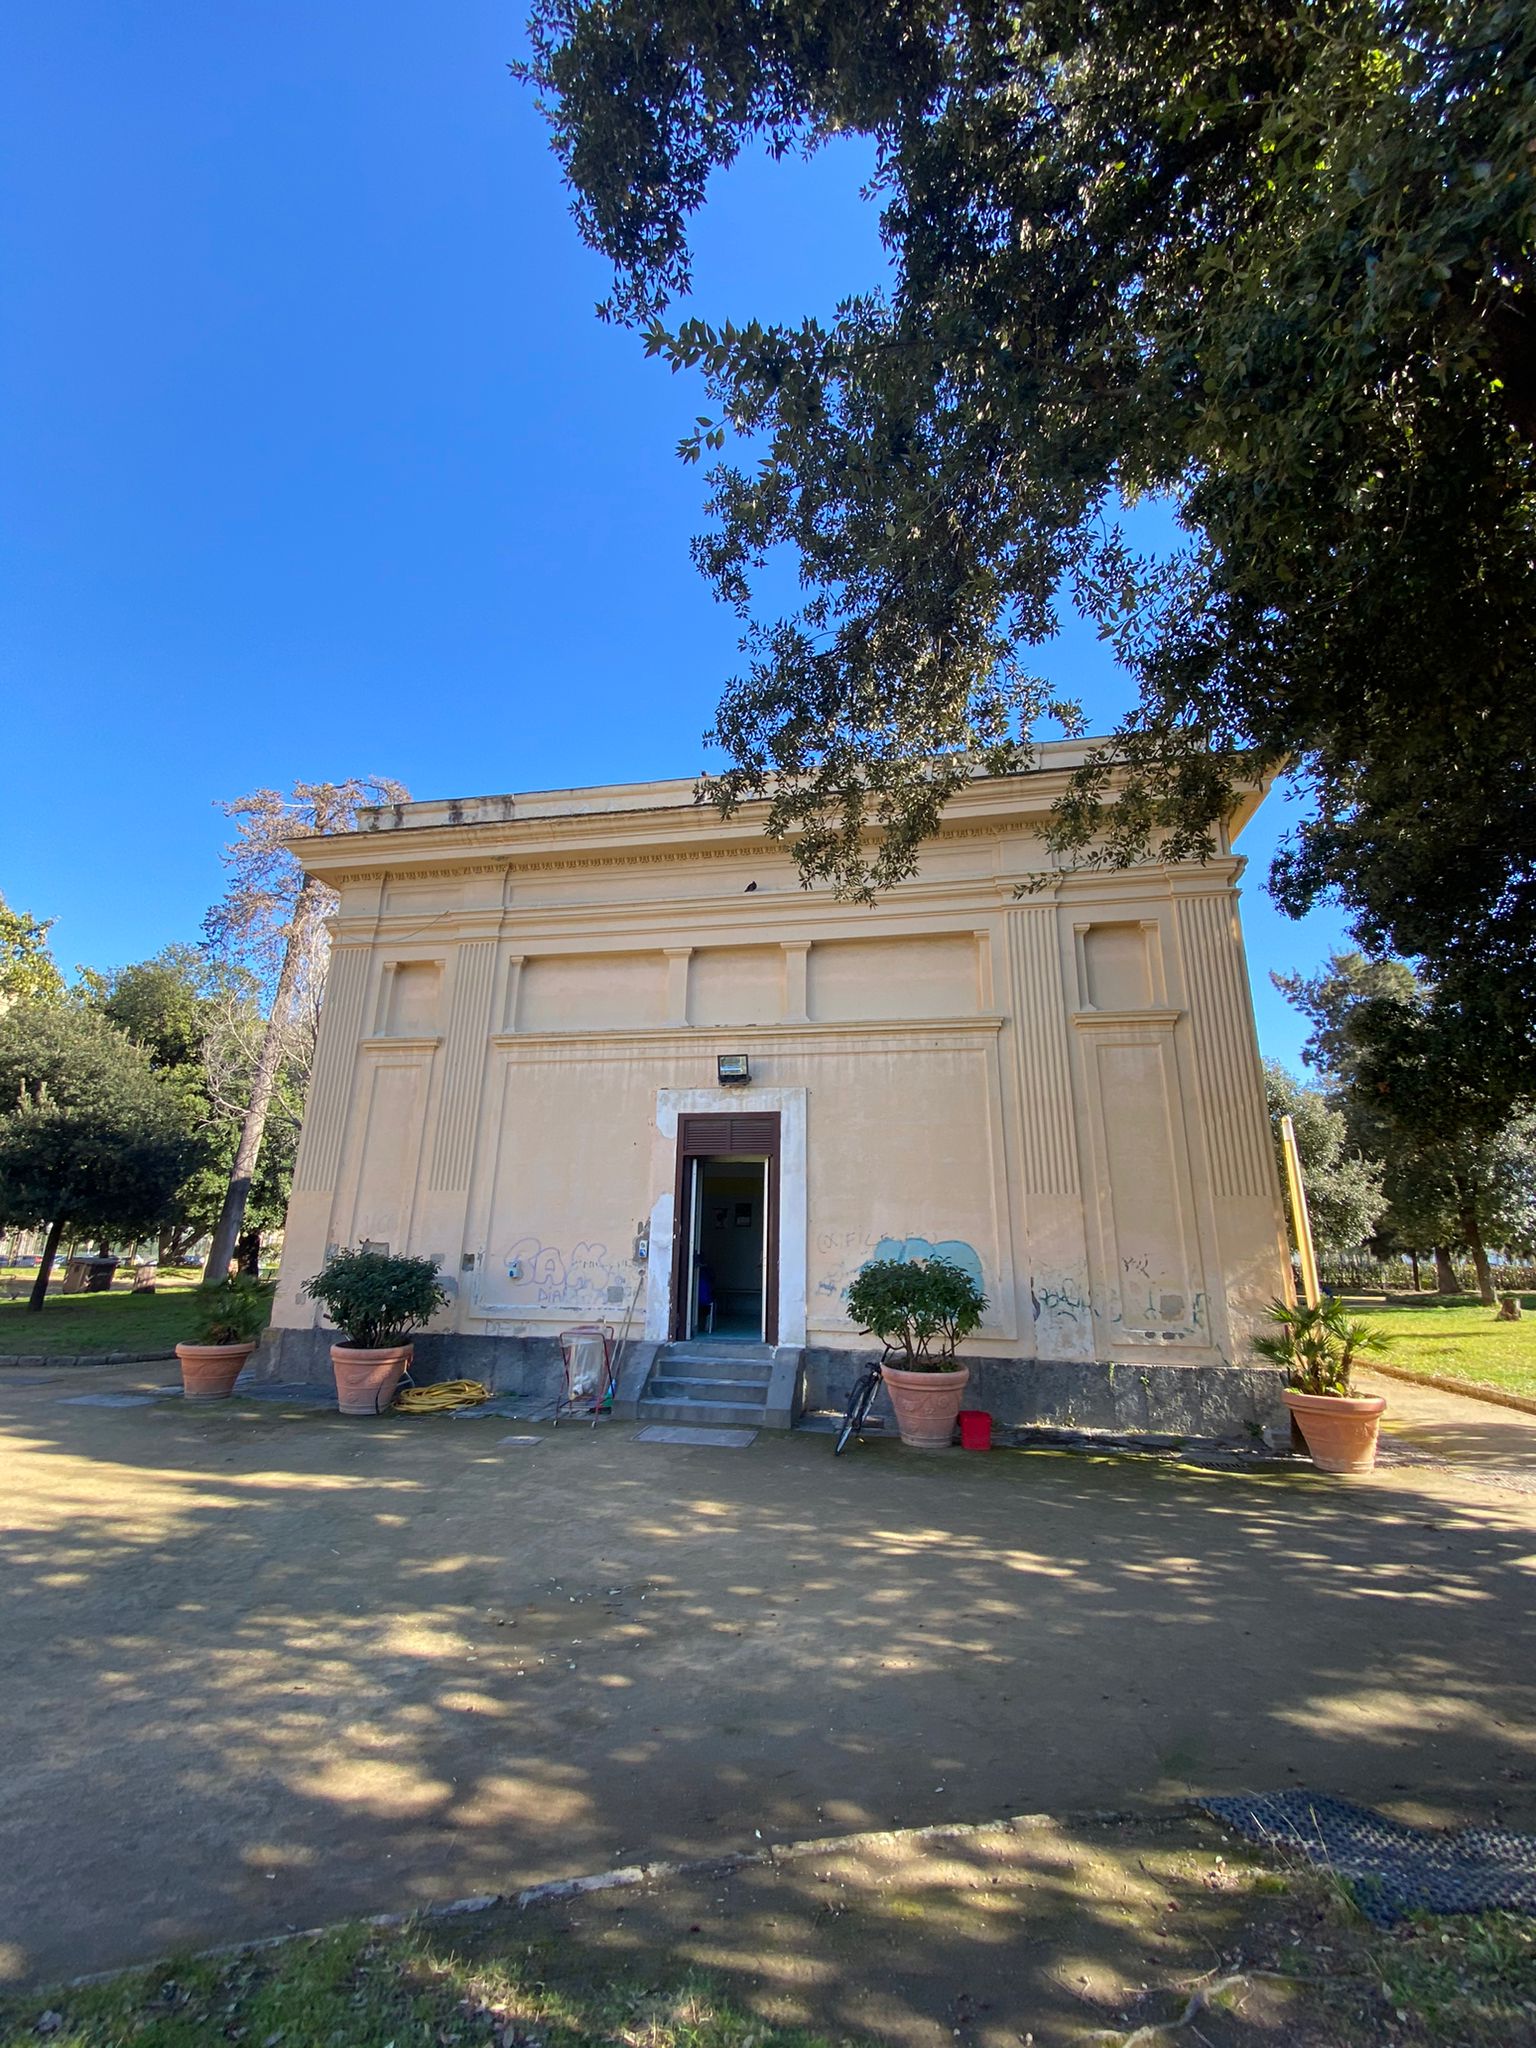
{"x":729,"y":1236}
{"x":725,"y":1248}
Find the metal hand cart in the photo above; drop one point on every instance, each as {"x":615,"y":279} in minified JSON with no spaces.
{"x":577,"y":1346}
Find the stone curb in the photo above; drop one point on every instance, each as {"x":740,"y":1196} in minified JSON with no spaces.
{"x":630,"y":1875}
{"x":1473,"y":1389}
{"x":85,"y":1358}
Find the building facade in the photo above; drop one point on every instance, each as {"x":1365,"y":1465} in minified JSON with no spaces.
{"x":600,"y":1055}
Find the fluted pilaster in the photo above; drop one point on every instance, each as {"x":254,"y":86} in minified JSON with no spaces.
{"x":469,"y":1024}
{"x":325,"y":1112}
{"x":1226,"y":1055}
{"x":1040,"y":1040}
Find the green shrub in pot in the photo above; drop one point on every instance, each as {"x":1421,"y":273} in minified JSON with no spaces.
{"x":913,"y":1305}
{"x":1317,"y":1348}
{"x":231,"y":1311}
{"x":923,"y":1308}
{"x":376,"y":1300}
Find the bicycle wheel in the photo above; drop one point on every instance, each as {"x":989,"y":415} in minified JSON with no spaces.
{"x":858,"y":1408}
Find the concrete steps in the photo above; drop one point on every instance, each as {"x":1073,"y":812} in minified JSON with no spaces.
{"x":704,"y":1414}
{"x":715,"y":1386}
{"x":672,"y":1387}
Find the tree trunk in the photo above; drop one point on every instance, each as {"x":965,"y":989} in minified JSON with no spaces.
{"x":1445,"y":1272}
{"x":254,"y":1123}
{"x":248,"y":1253}
{"x":1413,"y":1267}
{"x":1474,"y":1236}
{"x":39,"y":1292}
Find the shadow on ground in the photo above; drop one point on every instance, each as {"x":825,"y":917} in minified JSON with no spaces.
{"x":271,"y":1668}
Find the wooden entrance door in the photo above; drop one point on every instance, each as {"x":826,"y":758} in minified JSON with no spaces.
{"x":754,"y":1136}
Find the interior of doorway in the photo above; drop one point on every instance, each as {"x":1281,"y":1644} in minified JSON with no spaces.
{"x":729,"y":1233}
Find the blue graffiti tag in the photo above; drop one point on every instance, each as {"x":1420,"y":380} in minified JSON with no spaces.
{"x":954,"y":1249}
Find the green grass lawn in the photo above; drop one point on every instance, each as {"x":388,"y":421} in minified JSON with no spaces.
{"x":376,"y":1989}
{"x":69,"y":1324}
{"x":1462,"y":1341}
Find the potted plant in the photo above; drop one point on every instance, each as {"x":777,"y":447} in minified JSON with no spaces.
{"x":923,"y":1308}
{"x":228,"y":1317}
{"x":375,"y":1301}
{"x":1317,"y":1347}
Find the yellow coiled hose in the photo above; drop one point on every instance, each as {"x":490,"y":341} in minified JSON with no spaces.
{"x":445,"y":1394}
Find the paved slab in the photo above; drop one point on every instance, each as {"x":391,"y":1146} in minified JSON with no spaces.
{"x":268,"y":1666}
{"x":703,"y":1439}
{"x":1478,"y":1439}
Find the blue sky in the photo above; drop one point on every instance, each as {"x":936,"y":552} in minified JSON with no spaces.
{"x":315,"y":461}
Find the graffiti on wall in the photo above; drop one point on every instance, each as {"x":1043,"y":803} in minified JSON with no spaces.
{"x":584,"y":1276}
{"x":1146,"y":1307}
{"x":1057,"y":1300}
{"x":837,"y":1244}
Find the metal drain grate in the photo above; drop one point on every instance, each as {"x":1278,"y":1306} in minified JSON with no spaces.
{"x":1394,"y":1869}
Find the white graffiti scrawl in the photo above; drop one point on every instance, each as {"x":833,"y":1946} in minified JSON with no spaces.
{"x":586,"y":1276}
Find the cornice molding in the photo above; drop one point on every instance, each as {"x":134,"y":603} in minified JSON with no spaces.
{"x":412,"y":1045}
{"x":1125,"y":1020}
{"x":703,"y":1037}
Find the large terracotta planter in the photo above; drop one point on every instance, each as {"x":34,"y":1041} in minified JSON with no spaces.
{"x":209,"y":1371}
{"x":366,"y":1380}
{"x":1340,"y":1429}
{"x":926,"y":1404}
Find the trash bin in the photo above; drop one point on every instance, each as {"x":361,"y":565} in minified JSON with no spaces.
{"x":975,"y":1429}
{"x":88,"y":1275}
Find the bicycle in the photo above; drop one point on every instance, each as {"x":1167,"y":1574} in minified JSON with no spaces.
{"x":860,"y":1402}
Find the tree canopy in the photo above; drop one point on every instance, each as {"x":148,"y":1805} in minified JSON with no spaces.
{"x":1344,"y":1191}
{"x":1272,"y":264}
{"x":270,"y":925}
{"x":199,"y":1020}
{"x":26,"y":964}
{"x":91,"y":1138}
{"x":1408,"y":1071}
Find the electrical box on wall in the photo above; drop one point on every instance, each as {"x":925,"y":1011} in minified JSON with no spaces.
{"x":642,"y":1243}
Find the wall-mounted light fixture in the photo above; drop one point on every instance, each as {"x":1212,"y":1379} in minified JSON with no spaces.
{"x":732,"y":1069}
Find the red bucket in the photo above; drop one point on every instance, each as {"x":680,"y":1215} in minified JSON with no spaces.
{"x":975,"y":1429}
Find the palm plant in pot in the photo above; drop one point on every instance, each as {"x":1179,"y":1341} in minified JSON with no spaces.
{"x":922,"y":1308}
{"x":1317,"y":1347}
{"x":376,"y":1302}
{"x":228,"y":1317}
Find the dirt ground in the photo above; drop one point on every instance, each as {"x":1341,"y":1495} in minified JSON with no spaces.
{"x":267,"y":1667}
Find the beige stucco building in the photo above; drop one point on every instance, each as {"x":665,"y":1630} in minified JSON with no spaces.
{"x":519,"y":1073}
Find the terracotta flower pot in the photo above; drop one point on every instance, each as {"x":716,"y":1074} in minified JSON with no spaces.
{"x":366,"y":1380}
{"x":1340,"y":1429}
{"x":209,"y":1371}
{"x":926,"y":1404}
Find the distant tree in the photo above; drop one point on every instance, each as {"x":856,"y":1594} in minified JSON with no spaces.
{"x":271,"y":920}
{"x":165,"y":1005}
{"x":1420,"y":1090}
{"x":1271,"y":264}
{"x":26,"y":965}
{"x":1344,"y":1193}
{"x":199,"y":1019}
{"x":91,"y":1138}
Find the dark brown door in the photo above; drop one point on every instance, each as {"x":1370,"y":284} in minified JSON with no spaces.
{"x":725,"y":1137}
